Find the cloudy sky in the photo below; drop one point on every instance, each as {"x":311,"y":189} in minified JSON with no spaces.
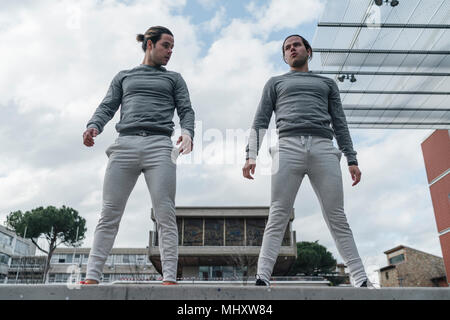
{"x":58,"y":58}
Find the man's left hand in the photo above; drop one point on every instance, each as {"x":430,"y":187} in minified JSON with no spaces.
{"x":355,"y":173}
{"x":186,"y":144}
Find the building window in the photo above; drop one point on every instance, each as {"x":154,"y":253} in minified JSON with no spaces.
{"x":4,"y":258}
{"x":5,"y":240}
{"x":77,"y":258}
{"x":255,"y":231}
{"x":213,"y":232}
{"x":397,"y":259}
{"x":21,"y":248}
{"x":387,"y":275}
{"x":141,"y":259}
{"x":54,"y":258}
{"x":203,"y":272}
{"x":221,"y":272}
{"x":193,"y":232}
{"x":63,"y":258}
{"x":234,"y":232}
{"x":61,"y":277}
{"x":118,"y":259}
{"x":180,"y":230}
{"x":110,"y":260}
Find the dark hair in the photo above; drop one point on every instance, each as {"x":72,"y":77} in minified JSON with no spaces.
{"x":305,"y":43}
{"x":153,"y":34}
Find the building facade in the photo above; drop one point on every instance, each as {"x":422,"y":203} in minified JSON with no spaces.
{"x":436,"y":154}
{"x":342,"y":274}
{"x":26,"y":269}
{"x":130,"y":264}
{"x":12,"y":245}
{"x":223,"y":242}
{"x":408,"y":267}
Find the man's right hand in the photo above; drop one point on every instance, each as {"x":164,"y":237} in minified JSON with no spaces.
{"x":88,"y":136}
{"x":248,"y":168}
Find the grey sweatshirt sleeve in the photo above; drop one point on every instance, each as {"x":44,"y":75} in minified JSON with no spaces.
{"x":262,"y":119}
{"x":184,"y":108}
{"x":339,"y":124}
{"x":108,"y":107}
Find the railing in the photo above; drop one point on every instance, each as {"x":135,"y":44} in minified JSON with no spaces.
{"x":237,"y":279}
{"x":27,"y":266}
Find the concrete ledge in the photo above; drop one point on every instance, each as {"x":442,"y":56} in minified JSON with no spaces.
{"x":213,"y":292}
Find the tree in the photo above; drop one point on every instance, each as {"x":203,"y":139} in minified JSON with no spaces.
{"x":58,"y":226}
{"x":312,"y":259}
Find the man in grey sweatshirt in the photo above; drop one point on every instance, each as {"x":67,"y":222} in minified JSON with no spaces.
{"x":148,"y":95}
{"x":308,"y":114}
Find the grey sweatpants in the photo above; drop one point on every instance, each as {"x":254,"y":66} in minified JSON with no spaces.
{"x":130,"y":156}
{"x":293,"y":157}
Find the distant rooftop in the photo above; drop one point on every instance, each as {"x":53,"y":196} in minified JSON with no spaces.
{"x":397,"y":248}
{"x":222,"y":211}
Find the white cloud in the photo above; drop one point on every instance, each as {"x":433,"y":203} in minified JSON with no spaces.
{"x":208,"y":4}
{"x":62,"y":52}
{"x":216,"y":22}
{"x":280,"y":14}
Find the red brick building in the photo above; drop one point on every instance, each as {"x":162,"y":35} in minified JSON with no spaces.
{"x":436,"y":154}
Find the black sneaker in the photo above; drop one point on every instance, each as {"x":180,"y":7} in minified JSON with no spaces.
{"x":367,"y":284}
{"x":260,"y":282}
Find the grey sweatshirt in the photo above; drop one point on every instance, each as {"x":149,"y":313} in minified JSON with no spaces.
{"x":304,"y":104}
{"x":149,"y":97}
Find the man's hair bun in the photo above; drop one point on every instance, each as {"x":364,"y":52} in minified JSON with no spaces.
{"x":140,"y":38}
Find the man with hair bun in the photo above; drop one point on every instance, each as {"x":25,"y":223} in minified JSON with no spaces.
{"x":308,"y":114}
{"x":148,"y":95}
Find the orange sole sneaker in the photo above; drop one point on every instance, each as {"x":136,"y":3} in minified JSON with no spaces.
{"x":87,"y":283}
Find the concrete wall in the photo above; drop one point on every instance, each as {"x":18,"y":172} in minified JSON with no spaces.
{"x":214,"y":292}
{"x":391,"y":280}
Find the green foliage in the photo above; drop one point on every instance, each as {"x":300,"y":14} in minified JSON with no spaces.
{"x":312,"y":259}
{"x":55,"y":224}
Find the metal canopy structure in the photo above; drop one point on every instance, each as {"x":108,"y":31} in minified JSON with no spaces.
{"x":392,"y":64}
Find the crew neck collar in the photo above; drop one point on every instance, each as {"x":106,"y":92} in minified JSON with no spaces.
{"x":153,"y":67}
{"x":303,"y":72}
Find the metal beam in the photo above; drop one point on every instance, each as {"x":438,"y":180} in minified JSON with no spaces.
{"x":396,"y":109}
{"x":400,"y":123}
{"x":379,"y":51}
{"x":383,"y":25}
{"x":394,"y":92}
{"x":384,"y":73}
